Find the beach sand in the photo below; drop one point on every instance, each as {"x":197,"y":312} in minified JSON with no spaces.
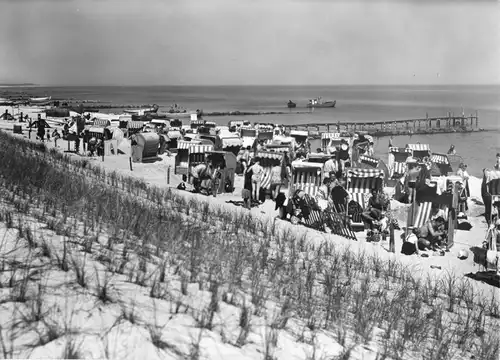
{"x":131,"y":341}
{"x":156,"y":174}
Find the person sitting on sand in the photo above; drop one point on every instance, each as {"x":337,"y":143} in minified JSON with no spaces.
{"x":431,"y":235}
{"x":410,"y":244}
{"x":202,"y":173}
{"x":377,"y":205}
{"x":297,"y":207}
{"x":91,"y":146}
{"x":322,"y":197}
{"x":339,"y":195}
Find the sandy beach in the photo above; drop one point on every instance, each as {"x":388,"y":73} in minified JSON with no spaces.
{"x":181,"y":332}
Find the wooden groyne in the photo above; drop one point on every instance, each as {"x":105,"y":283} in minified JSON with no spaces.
{"x":427,"y":125}
{"x":252,"y":113}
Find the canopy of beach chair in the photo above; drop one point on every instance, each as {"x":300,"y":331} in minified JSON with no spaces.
{"x":360,"y":183}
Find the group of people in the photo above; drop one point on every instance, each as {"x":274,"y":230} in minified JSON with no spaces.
{"x":332,"y":196}
{"x":253,"y":173}
{"x":430,"y":236}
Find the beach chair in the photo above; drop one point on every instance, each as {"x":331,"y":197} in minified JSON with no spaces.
{"x":419,"y":151}
{"x":101,"y":123}
{"x":268,"y":160}
{"x":308,"y":177}
{"x":491,"y":185}
{"x":360,"y":183}
{"x":419,"y":213}
{"x":397,"y":162}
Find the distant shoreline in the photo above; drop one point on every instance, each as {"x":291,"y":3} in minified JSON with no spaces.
{"x":19,"y":85}
{"x":254,"y":85}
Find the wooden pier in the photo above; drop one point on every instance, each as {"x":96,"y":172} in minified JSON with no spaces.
{"x":427,"y":125}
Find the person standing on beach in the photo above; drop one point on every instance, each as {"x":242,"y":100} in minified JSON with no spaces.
{"x":246,"y":193}
{"x":245,"y":158}
{"x":218,"y":141}
{"x":411,"y":179}
{"x":331,"y":166}
{"x":257,"y":172}
{"x":497,"y":165}
{"x":451,"y":150}
{"x":278,"y":176}
{"x":462,"y":172}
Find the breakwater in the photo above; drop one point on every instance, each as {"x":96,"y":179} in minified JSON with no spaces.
{"x":252,"y":113}
{"x":93,"y":107}
{"x":435,"y":125}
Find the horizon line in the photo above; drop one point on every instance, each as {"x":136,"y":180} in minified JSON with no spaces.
{"x":238,"y":85}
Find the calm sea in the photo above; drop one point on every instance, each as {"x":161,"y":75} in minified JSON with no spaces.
{"x":354,"y":104}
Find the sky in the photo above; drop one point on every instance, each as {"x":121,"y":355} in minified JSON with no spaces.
{"x":249,"y":42}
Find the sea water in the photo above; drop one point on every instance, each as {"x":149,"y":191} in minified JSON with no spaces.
{"x":354,"y":104}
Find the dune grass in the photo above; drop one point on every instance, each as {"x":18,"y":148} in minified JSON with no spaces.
{"x":196,"y":257}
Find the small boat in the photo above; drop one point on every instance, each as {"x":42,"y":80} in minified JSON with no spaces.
{"x":141,"y":112}
{"x":291,"y":104}
{"x":319,"y":103}
{"x":40,"y":99}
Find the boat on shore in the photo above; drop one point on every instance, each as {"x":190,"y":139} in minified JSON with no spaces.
{"x":140,"y":112}
{"x":319,"y":103}
{"x":40,"y":99}
{"x":291,"y":104}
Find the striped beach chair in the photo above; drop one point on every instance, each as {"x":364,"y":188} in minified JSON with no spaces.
{"x":360,"y":183}
{"x":368,"y":160}
{"x":419,"y":151}
{"x":190,"y":154}
{"x":101,"y":123}
{"x":441,"y":165}
{"x":134,"y":127}
{"x":397,"y":161}
{"x":268,"y":160}
{"x":422,"y":215}
{"x":306,"y":176}
{"x":96,"y":132}
{"x":335,"y":139}
{"x":491,"y":180}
